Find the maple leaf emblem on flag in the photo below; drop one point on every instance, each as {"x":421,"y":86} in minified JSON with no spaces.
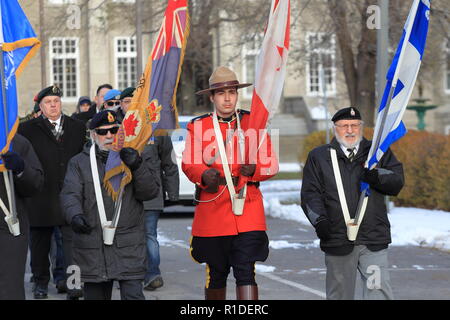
{"x":153,"y":111}
{"x":130,"y":124}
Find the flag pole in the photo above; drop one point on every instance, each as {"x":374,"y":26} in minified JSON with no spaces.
{"x":373,"y":150}
{"x":117,"y":207}
{"x":378,"y":138}
{"x":5,"y":117}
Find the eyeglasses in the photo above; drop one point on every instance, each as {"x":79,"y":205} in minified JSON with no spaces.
{"x":104,"y":132}
{"x":347,"y":126}
{"x":112,"y":103}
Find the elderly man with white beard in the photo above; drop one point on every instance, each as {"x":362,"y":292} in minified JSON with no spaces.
{"x":86,"y":204}
{"x":332,"y":177}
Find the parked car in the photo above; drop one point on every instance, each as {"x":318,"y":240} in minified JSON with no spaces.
{"x":187,"y":188}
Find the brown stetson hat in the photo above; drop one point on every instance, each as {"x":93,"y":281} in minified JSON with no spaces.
{"x":222,"y":78}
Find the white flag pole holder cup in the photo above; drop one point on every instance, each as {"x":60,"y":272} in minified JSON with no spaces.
{"x":108,"y":233}
{"x":10,"y":216}
{"x":11,"y":221}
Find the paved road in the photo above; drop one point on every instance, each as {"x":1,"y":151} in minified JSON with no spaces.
{"x":294,"y":272}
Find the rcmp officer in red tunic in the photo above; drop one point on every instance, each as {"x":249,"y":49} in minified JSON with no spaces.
{"x":220,"y":237}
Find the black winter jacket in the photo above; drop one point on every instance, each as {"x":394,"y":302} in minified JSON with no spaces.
{"x":320,"y":199}
{"x":126,"y":258}
{"x":159,"y":157}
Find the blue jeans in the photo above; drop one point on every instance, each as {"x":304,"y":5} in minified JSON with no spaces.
{"x":151,"y":226}
{"x":57,"y":257}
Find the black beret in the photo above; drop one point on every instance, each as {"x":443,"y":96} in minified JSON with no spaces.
{"x":349,"y":113}
{"x":49,"y":91}
{"x":128,"y":92}
{"x":103,"y":118}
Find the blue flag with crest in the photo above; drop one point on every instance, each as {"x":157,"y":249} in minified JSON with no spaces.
{"x":18,"y":44}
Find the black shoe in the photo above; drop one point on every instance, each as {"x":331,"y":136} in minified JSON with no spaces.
{"x":61,"y":286}
{"x":154,"y":284}
{"x":74,"y":294}
{"x":40,"y":292}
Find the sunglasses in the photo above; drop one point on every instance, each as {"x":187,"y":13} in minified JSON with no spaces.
{"x":104,"y":132}
{"x":112,"y":103}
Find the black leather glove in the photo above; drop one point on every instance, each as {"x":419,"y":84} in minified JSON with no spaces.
{"x":13,"y":162}
{"x":210,"y":178}
{"x":323,"y":229}
{"x":248,"y":169}
{"x":370,"y":176}
{"x":80,"y":225}
{"x":131,"y":158}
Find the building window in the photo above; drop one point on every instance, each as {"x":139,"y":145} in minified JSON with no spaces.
{"x":250,"y":61}
{"x":126,"y":68}
{"x":447,"y":69}
{"x":321,"y":54}
{"x":62,"y":1}
{"x":64,"y":57}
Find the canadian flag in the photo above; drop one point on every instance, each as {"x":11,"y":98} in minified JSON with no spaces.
{"x":271,"y":66}
{"x":270,"y":74}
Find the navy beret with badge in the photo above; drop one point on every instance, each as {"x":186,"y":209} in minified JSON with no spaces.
{"x":49,"y":91}
{"x":349,"y":113}
{"x":103,"y":118}
{"x":128,"y":92}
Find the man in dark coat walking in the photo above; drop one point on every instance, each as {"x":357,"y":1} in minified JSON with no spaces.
{"x":28,"y":180}
{"x":322,"y":205}
{"x":56,"y":138}
{"x":125,"y":260}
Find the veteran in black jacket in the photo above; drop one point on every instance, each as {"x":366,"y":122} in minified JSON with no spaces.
{"x":321,"y":203}
{"x":56,"y":138}
{"x":28,"y":180}
{"x":124,"y":260}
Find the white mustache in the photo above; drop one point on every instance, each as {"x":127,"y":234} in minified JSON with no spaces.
{"x":107,"y":141}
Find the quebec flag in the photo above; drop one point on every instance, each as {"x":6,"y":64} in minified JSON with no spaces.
{"x":18,"y":44}
{"x":401,"y":77}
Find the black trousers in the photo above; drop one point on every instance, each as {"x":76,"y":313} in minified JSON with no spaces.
{"x":13,"y":257}
{"x":40,"y":242}
{"x":239,"y":252}
{"x":129,"y":290}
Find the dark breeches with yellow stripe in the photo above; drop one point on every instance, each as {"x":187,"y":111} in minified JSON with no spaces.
{"x":239,"y":252}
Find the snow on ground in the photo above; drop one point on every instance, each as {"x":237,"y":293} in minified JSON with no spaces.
{"x":264,"y":268}
{"x":290,"y":167}
{"x":422,"y":227}
{"x":282,"y":244}
{"x":409,"y":226}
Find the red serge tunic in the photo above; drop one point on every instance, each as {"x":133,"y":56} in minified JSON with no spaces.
{"x":216,"y":218}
